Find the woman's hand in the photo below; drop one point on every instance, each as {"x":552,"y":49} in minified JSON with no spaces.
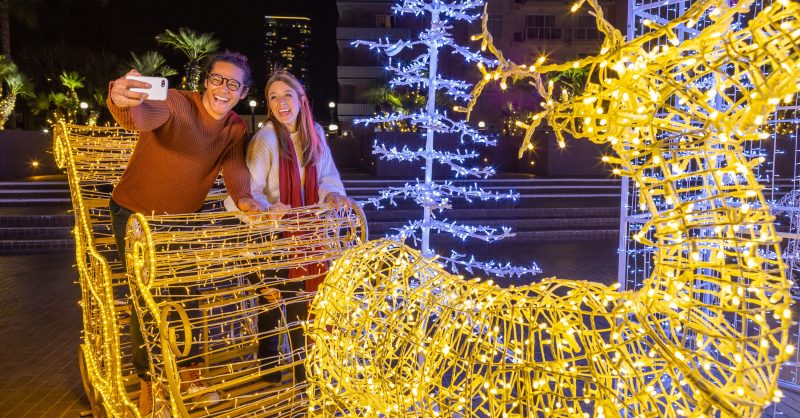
{"x":335,"y":199}
{"x":275,"y":211}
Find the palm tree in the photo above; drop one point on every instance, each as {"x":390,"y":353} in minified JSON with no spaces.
{"x":572,"y":80}
{"x":13,"y":84}
{"x":151,"y":63}
{"x":24,"y":11}
{"x":384,"y":97}
{"x":195,"y":46}
{"x":71,"y":80}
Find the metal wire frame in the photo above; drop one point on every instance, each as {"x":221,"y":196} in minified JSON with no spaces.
{"x":707,"y":332}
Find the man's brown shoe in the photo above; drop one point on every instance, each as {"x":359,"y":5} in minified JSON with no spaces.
{"x":145,"y":397}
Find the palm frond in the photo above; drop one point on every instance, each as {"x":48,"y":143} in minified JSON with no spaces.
{"x":39,"y":103}
{"x":19,"y":84}
{"x":151,"y":63}
{"x":195,"y":46}
{"x":71,"y":80}
{"x":7,"y":67}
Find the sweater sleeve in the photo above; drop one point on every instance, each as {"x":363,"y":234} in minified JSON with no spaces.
{"x":148,"y":116}
{"x":234,"y":169}
{"x":329,"y":180}
{"x":259,"y":163}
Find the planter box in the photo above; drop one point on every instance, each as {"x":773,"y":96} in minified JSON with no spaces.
{"x":20,"y":149}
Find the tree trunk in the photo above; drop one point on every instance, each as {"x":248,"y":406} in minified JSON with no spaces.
{"x":5,"y":29}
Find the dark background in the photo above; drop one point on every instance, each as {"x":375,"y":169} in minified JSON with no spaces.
{"x":95,"y":37}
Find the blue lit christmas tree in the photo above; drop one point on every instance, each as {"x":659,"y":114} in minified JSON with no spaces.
{"x":422,"y":72}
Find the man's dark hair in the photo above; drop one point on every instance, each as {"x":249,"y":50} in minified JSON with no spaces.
{"x":234,"y":58}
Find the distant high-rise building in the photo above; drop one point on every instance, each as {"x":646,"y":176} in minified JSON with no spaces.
{"x":288,"y":45}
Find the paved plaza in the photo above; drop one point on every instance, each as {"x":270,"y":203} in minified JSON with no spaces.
{"x":40,"y":320}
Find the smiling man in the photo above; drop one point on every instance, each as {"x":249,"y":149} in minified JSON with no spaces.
{"x":183,"y":143}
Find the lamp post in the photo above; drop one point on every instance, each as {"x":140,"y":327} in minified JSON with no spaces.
{"x":83,"y":106}
{"x":253,"y":104}
{"x":331,"y":107}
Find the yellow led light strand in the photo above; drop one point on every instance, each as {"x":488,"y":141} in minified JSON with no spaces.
{"x":91,"y":174}
{"x":707,"y":333}
{"x":168,"y":252}
{"x":206,"y":262}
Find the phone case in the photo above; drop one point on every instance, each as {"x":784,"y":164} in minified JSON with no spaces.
{"x":158,"y":87}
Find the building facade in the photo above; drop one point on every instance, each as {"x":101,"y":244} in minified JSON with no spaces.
{"x":523,"y":29}
{"x":360,"y":69}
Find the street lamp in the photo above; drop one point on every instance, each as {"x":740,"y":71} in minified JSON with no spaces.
{"x":332,"y":106}
{"x":253,"y":104}
{"x":333,"y":127}
{"x":83,"y":106}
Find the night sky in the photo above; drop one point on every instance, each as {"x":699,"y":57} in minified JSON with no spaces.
{"x":111,"y":28}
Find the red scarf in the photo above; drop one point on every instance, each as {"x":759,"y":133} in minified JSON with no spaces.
{"x":289,"y":178}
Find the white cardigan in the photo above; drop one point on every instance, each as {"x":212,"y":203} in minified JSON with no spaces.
{"x":263,"y":160}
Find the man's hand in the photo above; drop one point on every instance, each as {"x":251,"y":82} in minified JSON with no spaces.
{"x":122,"y":96}
{"x":249,"y":205}
{"x":335,"y":199}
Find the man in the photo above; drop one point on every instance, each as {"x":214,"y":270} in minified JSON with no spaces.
{"x":183,"y":143}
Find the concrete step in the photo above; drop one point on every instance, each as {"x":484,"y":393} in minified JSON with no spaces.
{"x":37,"y":233}
{"x":34,"y":185}
{"x":8,"y":247}
{"x":529,"y":236}
{"x":37,"y":221}
{"x":491,"y":205}
{"x":45,"y":201}
{"x":33,"y":193}
{"x":519,"y":225}
{"x":391,"y":213}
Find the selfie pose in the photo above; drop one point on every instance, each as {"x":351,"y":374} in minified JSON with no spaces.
{"x":183,"y":143}
{"x":290,"y":166}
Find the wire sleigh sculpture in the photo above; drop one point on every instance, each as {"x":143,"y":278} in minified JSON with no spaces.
{"x":197,"y":281}
{"x":707,"y":333}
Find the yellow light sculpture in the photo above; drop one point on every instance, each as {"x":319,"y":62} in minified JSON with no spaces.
{"x":396,"y":335}
{"x":229,"y":262}
{"x":215,"y":266}
{"x":94,"y":158}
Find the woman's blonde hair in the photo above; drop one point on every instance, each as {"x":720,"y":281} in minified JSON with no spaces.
{"x":310,"y":142}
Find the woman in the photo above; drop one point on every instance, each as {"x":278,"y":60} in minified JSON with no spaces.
{"x":290,"y":166}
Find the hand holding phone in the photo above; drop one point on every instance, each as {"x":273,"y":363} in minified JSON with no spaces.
{"x":158,"y":87}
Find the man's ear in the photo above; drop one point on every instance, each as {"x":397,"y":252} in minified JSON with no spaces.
{"x":245,"y":90}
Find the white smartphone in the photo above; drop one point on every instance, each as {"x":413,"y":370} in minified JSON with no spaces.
{"x":158,"y":87}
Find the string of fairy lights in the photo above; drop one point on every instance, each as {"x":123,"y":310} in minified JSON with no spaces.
{"x":778,"y":175}
{"x":705,"y":334}
{"x":94,"y":158}
{"x":214,"y":269}
{"x":421,"y":73}
{"x":197,"y":280}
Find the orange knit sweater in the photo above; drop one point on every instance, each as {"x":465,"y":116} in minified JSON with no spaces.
{"x":180,"y":151}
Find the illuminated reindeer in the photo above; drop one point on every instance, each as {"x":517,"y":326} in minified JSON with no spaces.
{"x":706,"y":334}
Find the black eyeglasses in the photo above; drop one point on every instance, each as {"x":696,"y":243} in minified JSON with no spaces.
{"x":230,"y":83}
